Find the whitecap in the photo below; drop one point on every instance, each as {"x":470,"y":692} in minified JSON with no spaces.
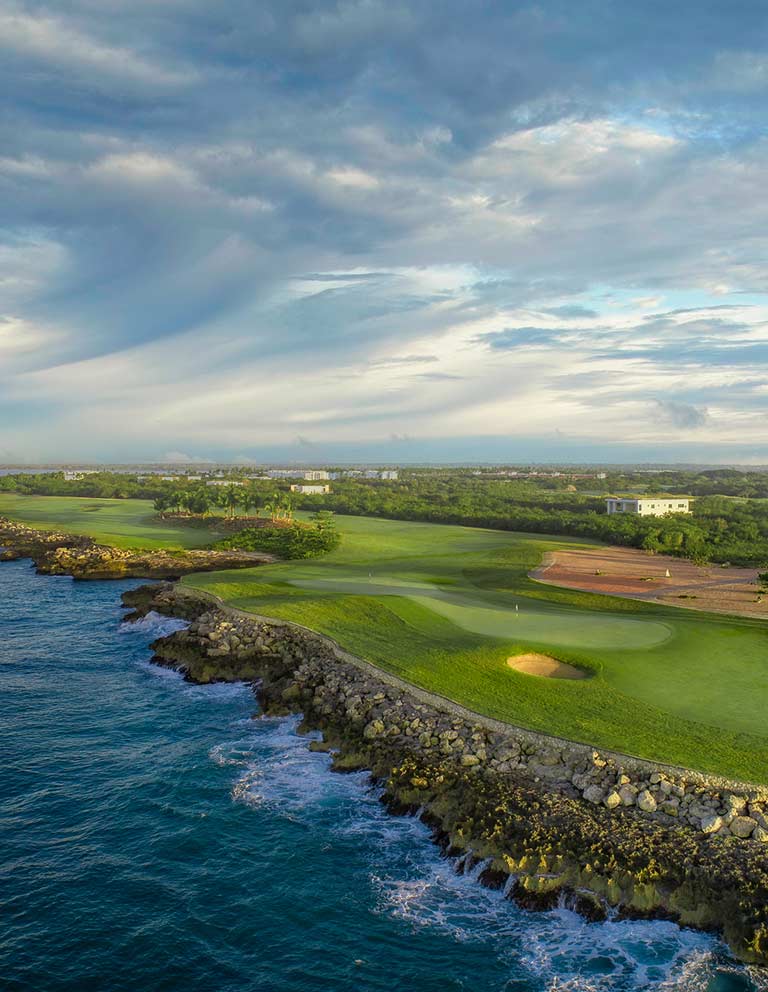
{"x":558,"y":950}
{"x":153,"y":624}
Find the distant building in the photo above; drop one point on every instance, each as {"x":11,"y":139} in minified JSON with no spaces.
{"x":310,"y":490}
{"x":601,"y":475}
{"x":315,"y":475}
{"x":373,"y":473}
{"x":648,"y":506}
{"x":222,"y":482}
{"x":284,"y":473}
{"x":76,"y":475}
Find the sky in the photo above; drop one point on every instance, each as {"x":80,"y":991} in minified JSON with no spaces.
{"x":366,"y":230}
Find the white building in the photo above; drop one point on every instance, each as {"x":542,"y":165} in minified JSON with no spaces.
{"x":310,"y":490}
{"x":75,"y":476}
{"x":315,"y":475}
{"x":648,"y":506}
{"x":374,"y":473}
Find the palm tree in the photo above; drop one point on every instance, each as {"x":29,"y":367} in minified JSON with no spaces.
{"x":247,"y":500}
{"x":231,"y":499}
{"x":288,"y":507}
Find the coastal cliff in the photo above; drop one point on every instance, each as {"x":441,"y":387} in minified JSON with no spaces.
{"x":552,"y":820}
{"x":56,"y":553}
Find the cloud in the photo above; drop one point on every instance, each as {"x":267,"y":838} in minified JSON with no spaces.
{"x":56,"y":45}
{"x":360,"y":219}
{"x":181,"y":458}
{"x":571,"y":311}
{"x":682,"y":415}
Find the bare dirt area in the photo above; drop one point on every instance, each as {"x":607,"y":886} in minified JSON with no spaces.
{"x":637,"y":574}
{"x":543,"y":665}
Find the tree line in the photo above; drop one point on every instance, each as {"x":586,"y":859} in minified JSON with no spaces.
{"x":720,"y":528}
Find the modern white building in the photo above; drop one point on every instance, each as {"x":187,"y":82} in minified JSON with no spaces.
{"x":315,"y":475}
{"x":310,"y":490}
{"x":648,"y":506}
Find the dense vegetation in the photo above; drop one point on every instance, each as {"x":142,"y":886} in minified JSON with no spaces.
{"x":291,"y":541}
{"x":725,"y":527}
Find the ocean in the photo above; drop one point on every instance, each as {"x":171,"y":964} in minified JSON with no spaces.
{"x":156,"y":835}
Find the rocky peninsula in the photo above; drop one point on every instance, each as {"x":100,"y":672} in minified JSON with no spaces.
{"x":552,"y":820}
{"x":57,"y":553}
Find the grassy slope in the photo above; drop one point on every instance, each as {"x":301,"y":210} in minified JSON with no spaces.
{"x":694,"y":695}
{"x":403,"y":595}
{"x":123,"y":523}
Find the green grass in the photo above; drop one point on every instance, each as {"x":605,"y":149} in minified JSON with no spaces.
{"x":436,"y":605}
{"x":122,"y":523}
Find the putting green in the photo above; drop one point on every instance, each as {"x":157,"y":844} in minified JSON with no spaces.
{"x":575,"y":628}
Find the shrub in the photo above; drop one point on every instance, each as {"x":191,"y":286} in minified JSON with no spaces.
{"x":298,"y":540}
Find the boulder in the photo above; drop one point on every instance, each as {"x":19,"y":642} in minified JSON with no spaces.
{"x":594,"y":794}
{"x":628,"y":795}
{"x":742,"y":826}
{"x":711,"y":824}
{"x":646,"y":802}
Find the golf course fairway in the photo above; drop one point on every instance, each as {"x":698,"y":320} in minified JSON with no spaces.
{"x":444,"y":607}
{"x":435,"y":605}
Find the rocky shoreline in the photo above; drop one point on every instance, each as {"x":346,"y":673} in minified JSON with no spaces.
{"x":56,"y":553}
{"x":553,"y":820}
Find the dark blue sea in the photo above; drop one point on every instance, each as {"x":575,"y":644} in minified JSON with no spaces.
{"x":160,"y":836}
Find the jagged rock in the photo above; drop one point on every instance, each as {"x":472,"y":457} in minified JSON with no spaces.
{"x":628,"y":795}
{"x":712,"y":824}
{"x":742,"y":826}
{"x":646,"y":802}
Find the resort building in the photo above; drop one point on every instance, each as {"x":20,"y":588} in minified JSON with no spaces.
{"x":76,"y":475}
{"x":310,"y":490}
{"x":648,"y":506}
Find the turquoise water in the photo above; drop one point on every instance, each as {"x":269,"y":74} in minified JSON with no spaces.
{"x":155,"y":836}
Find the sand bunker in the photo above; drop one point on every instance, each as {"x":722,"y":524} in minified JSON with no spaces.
{"x":543,"y":665}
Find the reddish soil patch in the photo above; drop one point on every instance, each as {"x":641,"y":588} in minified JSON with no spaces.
{"x":637,"y":574}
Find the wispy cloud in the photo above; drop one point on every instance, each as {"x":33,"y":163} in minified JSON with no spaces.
{"x":365,"y":222}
